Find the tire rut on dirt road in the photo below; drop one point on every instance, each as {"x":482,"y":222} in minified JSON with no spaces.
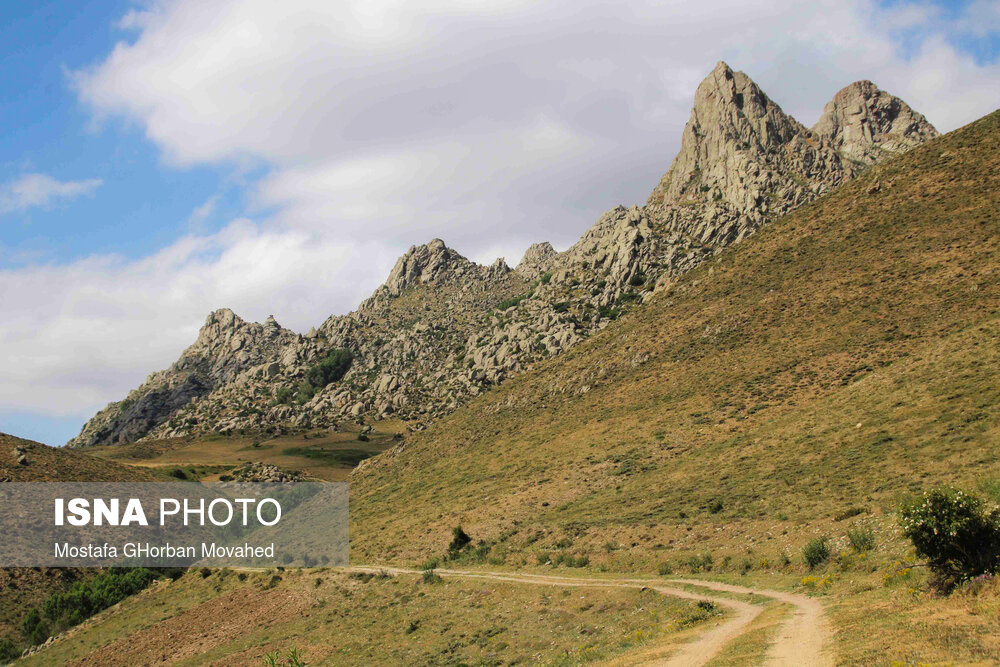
{"x":802,"y":640}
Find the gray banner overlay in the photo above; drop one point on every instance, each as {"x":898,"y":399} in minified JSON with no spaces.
{"x":170,"y":524}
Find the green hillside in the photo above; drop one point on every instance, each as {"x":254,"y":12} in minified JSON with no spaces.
{"x":800,"y":385}
{"x":844,"y":356}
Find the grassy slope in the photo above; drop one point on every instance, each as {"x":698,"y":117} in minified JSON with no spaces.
{"x":845,"y":354}
{"x":322,"y":455}
{"x":54,"y":464}
{"x":842,"y":358}
{"x":22,"y":587}
{"x":336,"y":619}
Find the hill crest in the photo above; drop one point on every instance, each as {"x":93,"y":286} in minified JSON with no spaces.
{"x":442,"y":329}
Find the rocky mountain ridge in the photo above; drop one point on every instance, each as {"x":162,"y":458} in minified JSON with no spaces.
{"x":443,"y":329}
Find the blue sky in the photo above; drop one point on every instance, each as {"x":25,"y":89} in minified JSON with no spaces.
{"x":164,"y":159}
{"x":141,"y":204}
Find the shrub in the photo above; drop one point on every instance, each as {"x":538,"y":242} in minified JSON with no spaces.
{"x":608,"y":313}
{"x":546,"y":277}
{"x":638,"y":279}
{"x":283,"y":395}
{"x":330,"y":368}
{"x":8,"y":650}
{"x":35,"y":630}
{"x":178,"y":473}
{"x":84,"y":599}
{"x":665,"y":569}
{"x":862,"y":539}
{"x":459,"y":540}
{"x":561,"y":307}
{"x":626,"y":297}
{"x":513,"y":301}
{"x":700,"y":563}
{"x":431,"y":577}
{"x":715,"y":506}
{"x":849,"y":512}
{"x":817,"y":551}
{"x":955,"y":533}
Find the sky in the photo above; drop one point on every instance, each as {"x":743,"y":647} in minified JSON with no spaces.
{"x":164,"y":159}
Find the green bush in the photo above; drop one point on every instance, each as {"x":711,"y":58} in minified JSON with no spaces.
{"x":459,"y":540}
{"x":8,"y":650}
{"x":513,"y":301}
{"x":34,"y":628}
{"x":956,"y":533}
{"x":862,"y":539}
{"x":665,"y":569}
{"x":546,"y":277}
{"x":700,"y":563}
{"x":608,"y":313}
{"x":817,"y":551}
{"x":431,"y":577}
{"x":330,"y":368}
{"x":83,"y":600}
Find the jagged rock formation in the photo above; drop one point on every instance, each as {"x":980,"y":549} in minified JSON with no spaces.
{"x":443,"y":329}
{"x":744,"y":161}
{"x":536,"y":260}
{"x":863,"y":123}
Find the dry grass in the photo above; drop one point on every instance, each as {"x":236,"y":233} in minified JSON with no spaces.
{"x":330,"y":457}
{"x":339,"y":619}
{"x":843,"y":358}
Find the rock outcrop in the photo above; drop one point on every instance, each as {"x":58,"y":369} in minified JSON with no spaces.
{"x":863,"y":124}
{"x":536,"y":260}
{"x":442,"y":329}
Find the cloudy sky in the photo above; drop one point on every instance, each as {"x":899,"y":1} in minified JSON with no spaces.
{"x":163,"y":159}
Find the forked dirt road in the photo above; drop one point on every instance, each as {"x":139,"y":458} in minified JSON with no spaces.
{"x":803,"y":639}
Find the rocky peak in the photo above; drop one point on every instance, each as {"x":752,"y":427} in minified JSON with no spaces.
{"x":742,"y":163}
{"x":732,"y":124}
{"x":536,"y":260}
{"x":422,"y":264}
{"x":218,"y":324}
{"x":864,"y":123}
{"x":434,"y":263}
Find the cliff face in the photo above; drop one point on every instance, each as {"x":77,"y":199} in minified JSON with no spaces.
{"x":443,"y":329}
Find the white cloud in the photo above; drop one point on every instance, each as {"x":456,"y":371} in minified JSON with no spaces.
{"x":40,"y":190}
{"x":381,"y":123}
{"x":75,"y":336}
{"x":202,"y":212}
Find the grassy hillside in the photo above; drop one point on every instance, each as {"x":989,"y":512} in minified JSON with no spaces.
{"x":318,"y":455}
{"x":53,"y":464}
{"x":840,"y":359}
{"x":334,"y":618}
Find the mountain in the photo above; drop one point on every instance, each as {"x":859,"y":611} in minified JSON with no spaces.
{"x":29,"y":461}
{"x":442,"y":329}
{"x":837,"y":361}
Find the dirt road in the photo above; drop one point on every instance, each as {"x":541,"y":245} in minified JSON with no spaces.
{"x":803,"y":640}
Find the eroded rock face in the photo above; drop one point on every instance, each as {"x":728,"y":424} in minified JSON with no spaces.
{"x":442,"y":329}
{"x":864,"y":123}
{"x":744,"y":161}
{"x":536,"y":260}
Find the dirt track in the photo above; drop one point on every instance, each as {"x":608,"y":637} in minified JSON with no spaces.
{"x":802,"y":640}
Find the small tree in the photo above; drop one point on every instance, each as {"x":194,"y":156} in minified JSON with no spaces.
{"x":459,"y":540}
{"x":956,"y":533}
{"x":330,"y":368}
{"x":816,"y":551}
